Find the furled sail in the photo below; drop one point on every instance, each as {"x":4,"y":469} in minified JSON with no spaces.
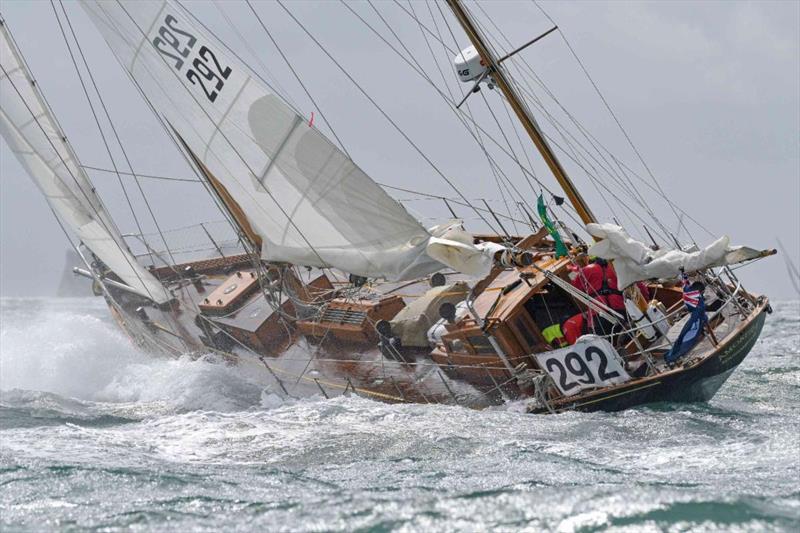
{"x":635,"y":261}
{"x":305,"y":199}
{"x":36,"y":140}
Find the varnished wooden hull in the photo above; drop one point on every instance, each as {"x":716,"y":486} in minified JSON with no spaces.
{"x":302,"y":366}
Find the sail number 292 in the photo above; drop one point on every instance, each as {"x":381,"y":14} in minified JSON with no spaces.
{"x":178,"y":45}
{"x":574,"y":370}
{"x":590,"y":363}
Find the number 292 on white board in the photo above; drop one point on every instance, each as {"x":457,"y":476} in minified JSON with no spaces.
{"x":589,"y":363}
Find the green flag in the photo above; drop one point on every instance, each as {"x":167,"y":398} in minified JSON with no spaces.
{"x":561,"y":250}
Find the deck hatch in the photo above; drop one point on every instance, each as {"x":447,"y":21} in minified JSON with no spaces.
{"x":344,"y":316}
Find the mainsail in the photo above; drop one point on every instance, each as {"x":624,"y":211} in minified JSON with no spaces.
{"x":306,"y":200}
{"x":34,"y":137}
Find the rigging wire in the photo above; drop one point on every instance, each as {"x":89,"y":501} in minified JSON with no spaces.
{"x":618,"y":176}
{"x":421,"y":70}
{"x":139,"y":174}
{"x":477,"y":126}
{"x":593,"y":141}
{"x":519,"y":138}
{"x":94,"y":113}
{"x":215,"y":199}
{"x":433,"y":54}
{"x":451,"y":102}
{"x":122,"y":149}
{"x":622,"y":164}
{"x":492,"y":163}
{"x":496,"y":169}
{"x":99,"y":218}
{"x":510,"y":152}
{"x":275,"y":86}
{"x":527,"y":173}
{"x":610,"y":110}
{"x":511,"y":155}
{"x":497,"y":172}
{"x":422,"y":194}
{"x":522,"y":206}
{"x":279,"y":89}
{"x":103,"y":221}
{"x":289,"y":219}
{"x":574,"y":157}
{"x":297,"y":77}
{"x":378,"y":107}
{"x":113,"y":129}
{"x":456,"y":201}
{"x":562,"y":131}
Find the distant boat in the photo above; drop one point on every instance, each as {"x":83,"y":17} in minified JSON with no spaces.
{"x":791,"y":268}
{"x":324,"y":284}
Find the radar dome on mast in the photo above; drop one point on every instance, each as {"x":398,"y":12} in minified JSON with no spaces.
{"x":471,"y":67}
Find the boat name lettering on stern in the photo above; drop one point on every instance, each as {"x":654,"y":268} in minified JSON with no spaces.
{"x":733,"y":348}
{"x":178,"y":44}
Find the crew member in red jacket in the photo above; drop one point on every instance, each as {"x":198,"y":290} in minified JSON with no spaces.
{"x":599,"y":281}
{"x":578,"y":325}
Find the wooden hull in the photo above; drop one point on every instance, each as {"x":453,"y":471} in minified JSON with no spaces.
{"x":306,"y":363}
{"x":697,"y":381}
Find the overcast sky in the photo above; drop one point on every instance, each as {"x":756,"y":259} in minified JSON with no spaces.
{"x":708,"y":91}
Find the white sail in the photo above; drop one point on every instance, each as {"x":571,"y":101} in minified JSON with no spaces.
{"x":35,"y":139}
{"x":635,"y":261}
{"x":304,"y":198}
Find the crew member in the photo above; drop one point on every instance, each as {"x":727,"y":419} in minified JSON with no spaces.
{"x":554,"y":336}
{"x":578,"y":325}
{"x":599,"y":281}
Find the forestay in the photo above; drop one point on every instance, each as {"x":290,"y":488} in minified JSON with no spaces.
{"x":35,"y":139}
{"x":303,"y":197}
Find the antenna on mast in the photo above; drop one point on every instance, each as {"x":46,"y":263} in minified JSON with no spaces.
{"x":498,"y":77}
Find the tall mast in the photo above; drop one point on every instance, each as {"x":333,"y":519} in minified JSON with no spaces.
{"x":521,"y":110}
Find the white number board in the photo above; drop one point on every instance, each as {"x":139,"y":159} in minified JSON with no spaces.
{"x":589,"y":363}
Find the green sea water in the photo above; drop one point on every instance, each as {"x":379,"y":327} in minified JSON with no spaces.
{"x":95,"y":436}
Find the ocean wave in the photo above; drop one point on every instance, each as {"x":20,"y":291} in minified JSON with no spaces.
{"x":96,"y":434}
{"x":77,"y":355}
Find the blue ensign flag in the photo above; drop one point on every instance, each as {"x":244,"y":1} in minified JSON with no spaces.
{"x":693,"y":329}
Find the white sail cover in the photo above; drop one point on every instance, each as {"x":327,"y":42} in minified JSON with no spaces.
{"x":451,"y":245}
{"x":35,"y":139}
{"x":307,"y":201}
{"x":635,"y":261}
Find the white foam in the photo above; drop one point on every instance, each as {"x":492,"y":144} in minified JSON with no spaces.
{"x":74,"y":353}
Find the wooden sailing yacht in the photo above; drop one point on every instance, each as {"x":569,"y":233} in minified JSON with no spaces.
{"x":337,"y":288}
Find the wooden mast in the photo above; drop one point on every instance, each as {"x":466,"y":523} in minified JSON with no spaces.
{"x":496,"y":72}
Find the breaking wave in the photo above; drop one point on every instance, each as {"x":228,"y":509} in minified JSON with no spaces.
{"x":65,"y":349}
{"x":96,"y":434}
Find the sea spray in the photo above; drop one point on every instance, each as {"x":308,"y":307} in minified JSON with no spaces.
{"x":72,"y":350}
{"x":193,"y":444}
